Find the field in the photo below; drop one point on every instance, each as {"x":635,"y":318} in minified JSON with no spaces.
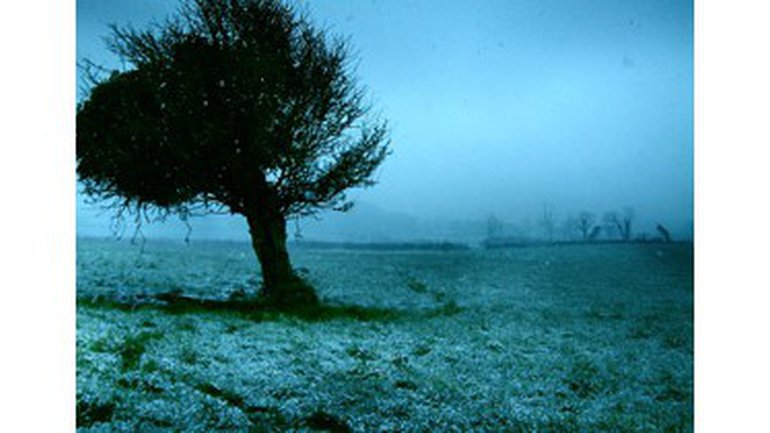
{"x":549,"y":339}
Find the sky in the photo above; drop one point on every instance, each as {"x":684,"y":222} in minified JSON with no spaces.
{"x":504,"y":106}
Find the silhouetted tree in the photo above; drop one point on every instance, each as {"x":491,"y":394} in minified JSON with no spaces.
{"x":240,"y":106}
{"x":621,"y":224}
{"x":664,"y":233}
{"x":594,"y":233}
{"x":585,"y":222}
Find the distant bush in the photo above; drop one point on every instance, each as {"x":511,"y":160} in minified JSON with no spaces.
{"x":448,"y":307}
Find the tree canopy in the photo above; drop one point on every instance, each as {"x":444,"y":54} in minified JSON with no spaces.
{"x":229,"y":103}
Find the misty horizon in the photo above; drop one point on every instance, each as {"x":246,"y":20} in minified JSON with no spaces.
{"x":496,"y":109}
{"x":366,"y":222}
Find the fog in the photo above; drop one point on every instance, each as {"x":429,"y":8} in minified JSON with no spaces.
{"x":496,"y":108}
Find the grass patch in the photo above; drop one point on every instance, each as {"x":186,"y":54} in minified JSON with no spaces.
{"x":360,"y":354}
{"x":262,"y":418}
{"x":416,"y":286}
{"x":90,"y":411}
{"x":188,"y":355}
{"x":584,"y":379}
{"x":323,"y":421}
{"x":133,"y":348}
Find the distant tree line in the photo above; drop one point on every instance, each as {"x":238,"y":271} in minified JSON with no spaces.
{"x":584,"y":227}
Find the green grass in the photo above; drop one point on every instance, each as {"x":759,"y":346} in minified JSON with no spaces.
{"x":133,"y":347}
{"x":563,"y":338}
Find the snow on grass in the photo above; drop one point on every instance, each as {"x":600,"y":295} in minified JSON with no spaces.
{"x":571,"y":338}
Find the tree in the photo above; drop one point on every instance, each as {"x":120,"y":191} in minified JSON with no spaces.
{"x":628,"y":219}
{"x":236,"y":106}
{"x":594,"y":233}
{"x":664,"y":233}
{"x":585,"y":222}
{"x":621,"y":224}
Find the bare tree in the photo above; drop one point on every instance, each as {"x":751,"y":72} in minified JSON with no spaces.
{"x":594,"y":233}
{"x":620,"y":224}
{"x":664,"y":233}
{"x":585,"y":223}
{"x":627,"y":221}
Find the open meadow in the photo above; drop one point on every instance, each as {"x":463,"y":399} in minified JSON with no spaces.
{"x":545,"y":338}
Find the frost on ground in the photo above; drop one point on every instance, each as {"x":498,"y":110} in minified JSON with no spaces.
{"x":564,"y":338}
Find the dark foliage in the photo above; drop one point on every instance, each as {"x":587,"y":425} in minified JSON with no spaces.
{"x":232,"y":100}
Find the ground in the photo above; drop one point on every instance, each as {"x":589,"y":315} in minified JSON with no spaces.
{"x":548,"y":338}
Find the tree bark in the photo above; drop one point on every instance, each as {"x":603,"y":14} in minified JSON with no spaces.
{"x":281,"y":285}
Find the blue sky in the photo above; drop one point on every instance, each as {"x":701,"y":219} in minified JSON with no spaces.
{"x":503,"y":106}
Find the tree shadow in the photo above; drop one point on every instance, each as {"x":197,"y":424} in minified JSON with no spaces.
{"x":252,"y":308}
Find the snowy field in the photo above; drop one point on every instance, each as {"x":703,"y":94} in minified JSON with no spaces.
{"x":549,"y":339}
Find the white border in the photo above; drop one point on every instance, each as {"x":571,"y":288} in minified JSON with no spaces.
{"x":37,"y":229}
{"x":732,"y":367}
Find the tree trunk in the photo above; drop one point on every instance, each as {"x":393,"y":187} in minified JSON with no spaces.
{"x":281,"y":286}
